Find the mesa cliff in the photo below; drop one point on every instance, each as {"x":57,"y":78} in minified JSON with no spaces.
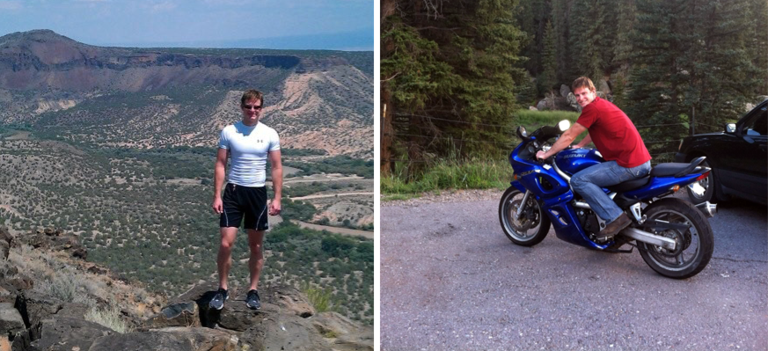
{"x":315,"y":99}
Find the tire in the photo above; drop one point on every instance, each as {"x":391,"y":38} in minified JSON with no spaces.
{"x":533,"y":225}
{"x":697,"y":241}
{"x":703,"y":190}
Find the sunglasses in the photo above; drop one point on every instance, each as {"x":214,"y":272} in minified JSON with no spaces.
{"x":252,"y":107}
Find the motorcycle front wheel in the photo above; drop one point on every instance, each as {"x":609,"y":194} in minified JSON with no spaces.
{"x":695,"y":243}
{"x":532,"y":226}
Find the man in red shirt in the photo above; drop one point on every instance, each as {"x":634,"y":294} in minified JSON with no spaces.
{"x":621,"y":146}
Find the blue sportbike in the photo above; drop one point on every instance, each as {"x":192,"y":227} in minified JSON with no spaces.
{"x":672,"y":235}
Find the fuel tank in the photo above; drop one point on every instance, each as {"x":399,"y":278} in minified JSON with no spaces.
{"x":575,"y":160}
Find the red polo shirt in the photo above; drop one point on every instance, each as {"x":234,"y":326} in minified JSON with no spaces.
{"x":613,"y":133}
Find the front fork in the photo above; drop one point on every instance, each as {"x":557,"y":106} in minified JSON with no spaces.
{"x":522,"y":204}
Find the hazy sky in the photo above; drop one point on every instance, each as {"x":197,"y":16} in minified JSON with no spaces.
{"x":152,"y":22}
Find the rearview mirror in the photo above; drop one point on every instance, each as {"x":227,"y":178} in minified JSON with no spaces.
{"x":730,"y":128}
{"x":564,"y":125}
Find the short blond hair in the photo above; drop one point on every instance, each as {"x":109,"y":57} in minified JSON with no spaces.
{"x":583,"y":82}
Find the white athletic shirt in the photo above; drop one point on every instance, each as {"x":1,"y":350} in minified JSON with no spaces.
{"x":248,"y":148}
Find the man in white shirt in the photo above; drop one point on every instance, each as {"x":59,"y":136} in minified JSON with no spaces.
{"x":249,"y":144}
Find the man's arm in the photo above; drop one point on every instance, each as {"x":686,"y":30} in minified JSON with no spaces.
{"x":583,"y":142}
{"x":277,"y":181}
{"x":565,"y":139}
{"x":219,"y":173}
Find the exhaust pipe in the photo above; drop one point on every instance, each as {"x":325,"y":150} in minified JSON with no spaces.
{"x":707,"y":208}
{"x":649,"y":238}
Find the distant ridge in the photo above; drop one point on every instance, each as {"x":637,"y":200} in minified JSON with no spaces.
{"x":359,"y":40}
{"x":318,"y":99}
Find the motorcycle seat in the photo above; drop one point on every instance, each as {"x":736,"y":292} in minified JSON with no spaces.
{"x":675,"y":169}
{"x":629,"y":185}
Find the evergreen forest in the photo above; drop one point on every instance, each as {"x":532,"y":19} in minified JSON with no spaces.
{"x":454,"y":74}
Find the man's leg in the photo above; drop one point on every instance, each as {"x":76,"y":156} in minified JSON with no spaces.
{"x":589,"y":182}
{"x":224,"y":259}
{"x":256,"y":261}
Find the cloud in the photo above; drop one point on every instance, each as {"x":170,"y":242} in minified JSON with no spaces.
{"x":10,"y":5}
{"x":156,"y":6}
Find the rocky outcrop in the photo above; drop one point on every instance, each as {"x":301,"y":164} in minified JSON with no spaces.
{"x":56,"y":240}
{"x":33,"y":319}
{"x":286,"y":321}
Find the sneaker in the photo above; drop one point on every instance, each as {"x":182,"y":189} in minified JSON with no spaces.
{"x":614,"y":227}
{"x":218,"y":300}
{"x":252,"y":301}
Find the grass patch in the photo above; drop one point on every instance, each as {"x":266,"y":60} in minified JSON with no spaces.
{"x":110,"y":318}
{"x":535,"y":119}
{"x":473,"y":173}
{"x":398,"y":197}
{"x":321,"y":299}
{"x":65,"y":286}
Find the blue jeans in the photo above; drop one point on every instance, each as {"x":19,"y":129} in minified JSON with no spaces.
{"x":589,"y":183}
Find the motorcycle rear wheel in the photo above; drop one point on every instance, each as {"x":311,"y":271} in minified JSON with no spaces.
{"x":695,"y":244}
{"x":533,"y":225}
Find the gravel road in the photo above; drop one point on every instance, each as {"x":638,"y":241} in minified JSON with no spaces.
{"x":451,"y":280}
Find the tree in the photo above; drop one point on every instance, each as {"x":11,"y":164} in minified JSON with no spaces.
{"x":453,"y":68}
{"x":689,"y":60}
{"x":548,"y":77}
{"x":588,"y":31}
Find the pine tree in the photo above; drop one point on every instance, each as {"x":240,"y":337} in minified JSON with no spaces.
{"x":548,"y":77}
{"x":689,"y":59}
{"x":624,"y":24}
{"x":453,"y":68}
{"x":757,"y":42}
{"x":561,"y":24}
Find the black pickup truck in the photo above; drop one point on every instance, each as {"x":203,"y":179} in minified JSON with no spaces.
{"x":737,"y":156}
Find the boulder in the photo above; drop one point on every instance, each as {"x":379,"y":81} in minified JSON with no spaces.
{"x":35,"y":307}
{"x":6,"y":236}
{"x":361,"y":341}
{"x":7,"y":296}
{"x":345,"y":334}
{"x":542,"y":105}
{"x":333,"y":324}
{"x":168,"y":339}
{"x":283,"y":332}
{"x":564,"y":90}
{"x":56,"y":240}
{"x":65,"y":333}
{"x":10,"y":319}
{"x":604,"y":87}
{"x":5,"y":250}
{"x":290,"y":299}
{"x":572,"y":102}
{"x":236,"y":316}
{"x":182,"y":314}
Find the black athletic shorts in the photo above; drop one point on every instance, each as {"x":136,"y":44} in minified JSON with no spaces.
{"x":247,"y":203}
